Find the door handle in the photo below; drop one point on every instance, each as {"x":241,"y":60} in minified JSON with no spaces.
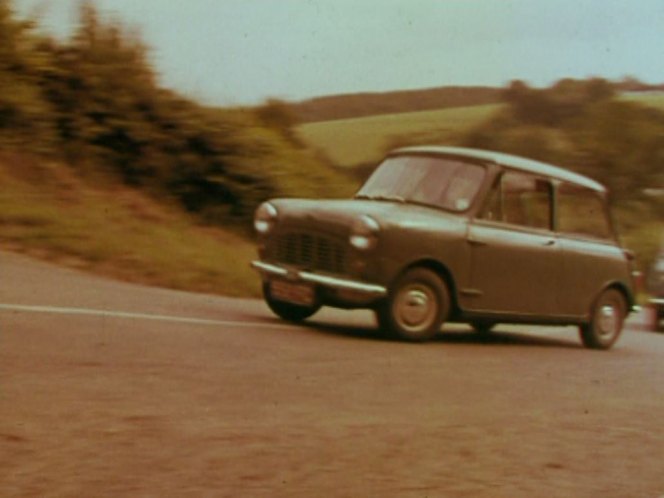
{"x":550,"y":242}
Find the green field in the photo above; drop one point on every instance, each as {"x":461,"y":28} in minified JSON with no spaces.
{"x":350,"y":142}
{"x":650,"y":99}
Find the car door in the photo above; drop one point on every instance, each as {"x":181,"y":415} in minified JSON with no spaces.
{"x":515,"y":258}
{"x":591,"y":258}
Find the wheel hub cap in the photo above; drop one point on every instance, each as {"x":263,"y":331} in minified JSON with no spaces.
{"x":608,"y":320}
{"x":415,"y":308}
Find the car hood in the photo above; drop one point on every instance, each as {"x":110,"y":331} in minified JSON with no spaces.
{"x":342,"y":213}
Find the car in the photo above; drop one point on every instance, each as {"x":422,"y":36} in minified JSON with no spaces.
{"x":448,"y":234}
{"x":656,"y":288}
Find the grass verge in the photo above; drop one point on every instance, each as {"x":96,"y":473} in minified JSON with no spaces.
{"x":48,"y":211}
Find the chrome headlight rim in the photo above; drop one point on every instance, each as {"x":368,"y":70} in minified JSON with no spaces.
{"x":364,"y":233}
{"x":265,"y":218}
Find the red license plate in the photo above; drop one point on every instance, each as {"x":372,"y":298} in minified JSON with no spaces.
{"x":292,"y":292}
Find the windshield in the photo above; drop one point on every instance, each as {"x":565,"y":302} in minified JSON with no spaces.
{"x":436,"y":181}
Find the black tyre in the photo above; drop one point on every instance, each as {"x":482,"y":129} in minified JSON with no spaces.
{"x":606,"y":321}
{"x":416,"y":306}
{"x":288,"y":311}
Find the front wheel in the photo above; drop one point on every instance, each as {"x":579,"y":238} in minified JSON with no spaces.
{"x":288,"y":311}
{"x":416,"y":306}
{"x":606,"y":321}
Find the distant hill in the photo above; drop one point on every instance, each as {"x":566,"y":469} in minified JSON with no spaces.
{"x":358,"y":105}
{"x":371,"y":104}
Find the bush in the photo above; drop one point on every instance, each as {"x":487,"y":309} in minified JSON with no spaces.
{"x":94,"y":101}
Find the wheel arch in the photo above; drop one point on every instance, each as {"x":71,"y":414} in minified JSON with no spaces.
{"x":617,"y":286}
{"x":625,"y":291}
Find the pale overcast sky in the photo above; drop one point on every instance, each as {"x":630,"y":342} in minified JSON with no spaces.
{"x":229,"y":52}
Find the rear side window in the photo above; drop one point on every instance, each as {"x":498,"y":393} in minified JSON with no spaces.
{"x":520,"y":199}
{"x":582,"y":212}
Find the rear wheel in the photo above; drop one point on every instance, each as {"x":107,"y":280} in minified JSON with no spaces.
{"x":288,"y":311}
{"x":416,"y":306}
{"x":606,"y":321}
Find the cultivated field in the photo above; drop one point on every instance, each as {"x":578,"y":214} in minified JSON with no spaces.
{"x":650,"y":99}
{"x":350,"y":142}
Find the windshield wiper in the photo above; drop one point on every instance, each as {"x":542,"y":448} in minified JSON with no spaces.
{"x":396,"y":198}
{"x":392,"y":198}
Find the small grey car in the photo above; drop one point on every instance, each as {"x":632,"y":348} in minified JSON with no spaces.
{"x":442,"y":234}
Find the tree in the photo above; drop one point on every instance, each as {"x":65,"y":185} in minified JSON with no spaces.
{"x":25,"y":115}
{"x":278,"y":115}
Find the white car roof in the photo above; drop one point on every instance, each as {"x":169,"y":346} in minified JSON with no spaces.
{"x":511,"y":161}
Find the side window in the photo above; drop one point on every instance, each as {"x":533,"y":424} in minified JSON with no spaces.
{"x":520,"y":199}
{"x":581,"y":211}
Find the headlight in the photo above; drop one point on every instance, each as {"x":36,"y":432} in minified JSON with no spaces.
{"x":364,"y":234}
{"x":265,"y":218}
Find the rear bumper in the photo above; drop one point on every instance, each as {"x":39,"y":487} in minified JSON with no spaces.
{"x":372,"y":291}
{"x":657,"y":303}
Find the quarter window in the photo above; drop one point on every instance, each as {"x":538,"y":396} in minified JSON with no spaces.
{"x":520,"y":199}
{"x":581,"y":212}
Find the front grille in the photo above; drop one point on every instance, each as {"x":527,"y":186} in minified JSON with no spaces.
{"x":310,"y":251}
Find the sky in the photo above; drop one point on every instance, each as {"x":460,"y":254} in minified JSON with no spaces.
{"x":243,"y":52}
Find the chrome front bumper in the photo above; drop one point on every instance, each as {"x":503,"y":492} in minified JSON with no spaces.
{"x":369,"y":290}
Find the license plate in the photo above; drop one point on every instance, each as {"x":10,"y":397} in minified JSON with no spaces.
{"x":292,"y":292}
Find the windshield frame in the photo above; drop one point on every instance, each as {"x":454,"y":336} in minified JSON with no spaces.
{"x":458,"y":162}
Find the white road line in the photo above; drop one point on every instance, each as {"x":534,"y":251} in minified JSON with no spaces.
{"x":138,"y":316}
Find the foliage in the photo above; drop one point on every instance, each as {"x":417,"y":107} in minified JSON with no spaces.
{"x":117,"y":231}
{"x":94,"y":101}
{"x":279,"y":116}
{"x":581,"y":125}
{"x":23,"y":62}
{"x":565,"y":100}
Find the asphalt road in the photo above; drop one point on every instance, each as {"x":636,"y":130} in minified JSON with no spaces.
{"x":110,"y":389}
